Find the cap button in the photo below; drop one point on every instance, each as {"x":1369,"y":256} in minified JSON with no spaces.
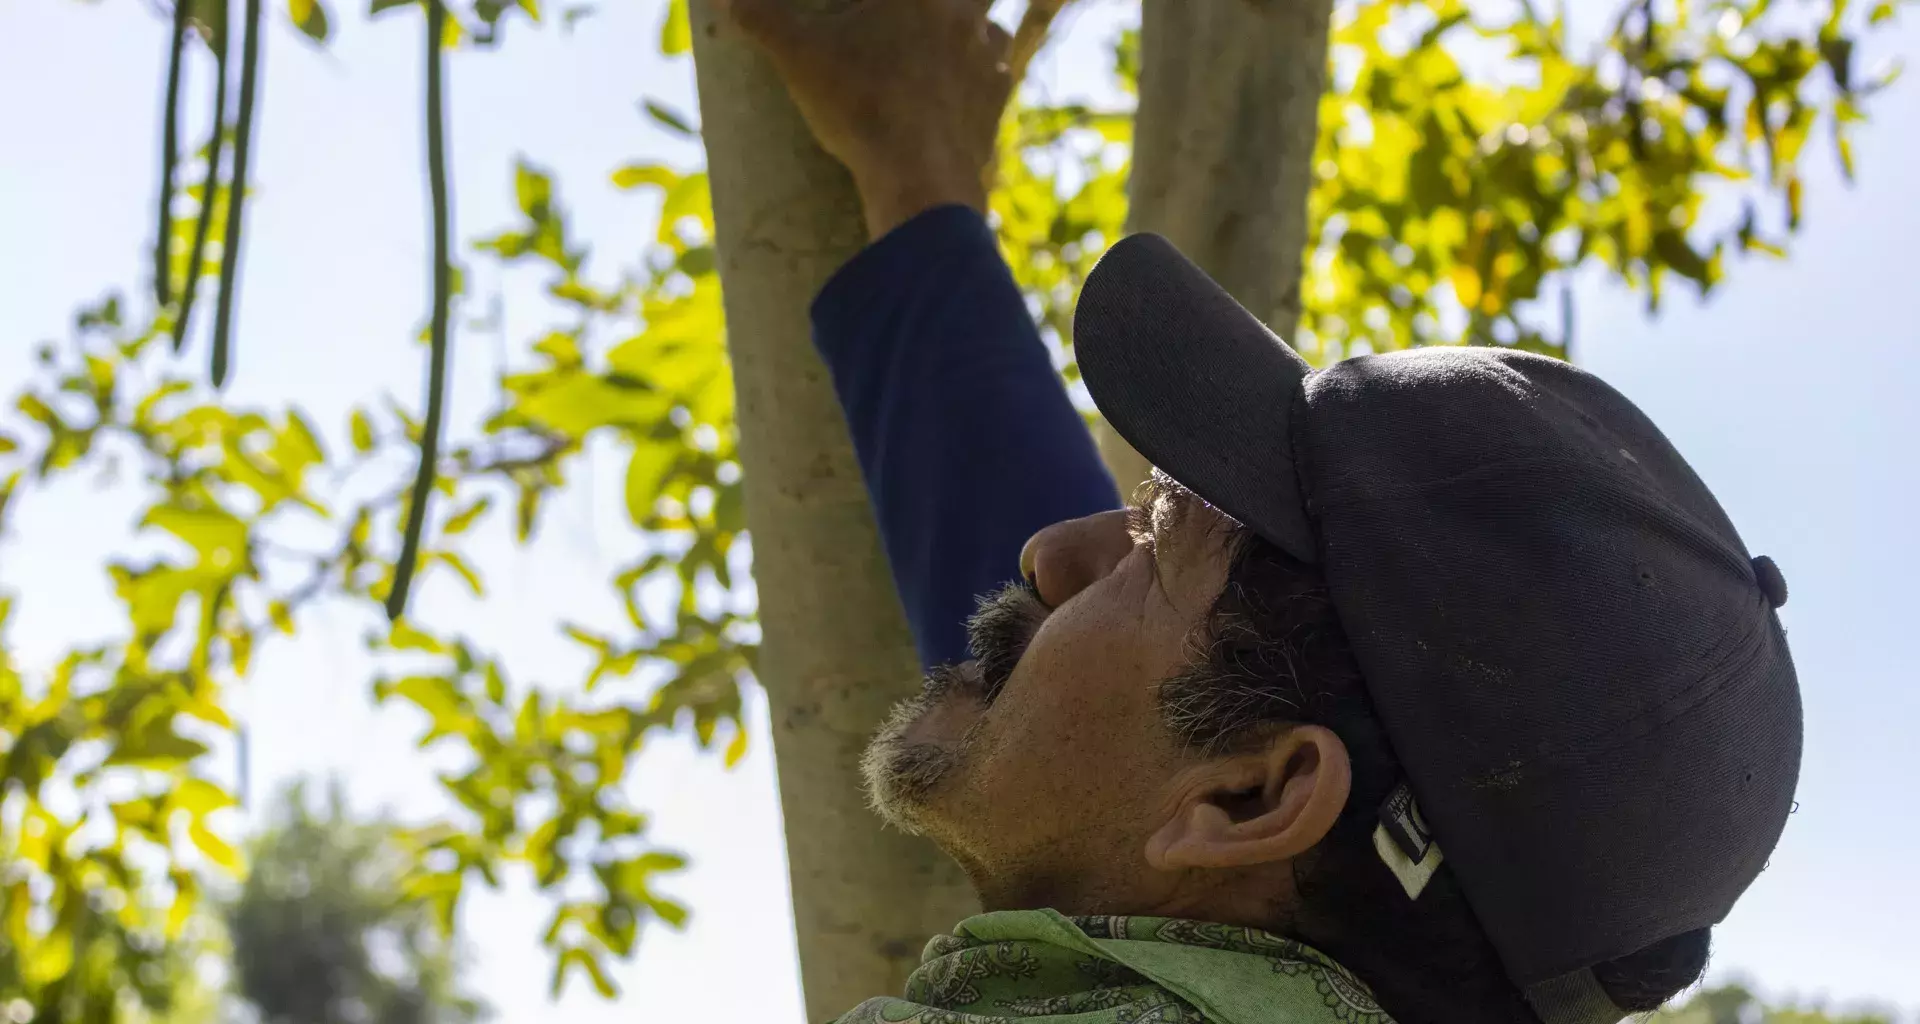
{"x":1771,"y":582}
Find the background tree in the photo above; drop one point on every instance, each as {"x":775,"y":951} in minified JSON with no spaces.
{"x":1735,"y":1004}
{"x":322,"y":931}
{"x":1466,"y":163}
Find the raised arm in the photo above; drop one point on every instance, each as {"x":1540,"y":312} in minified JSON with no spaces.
{"x":966,"y":436}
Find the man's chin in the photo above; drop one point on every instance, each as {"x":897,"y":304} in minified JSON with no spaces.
{"x":919,"y":752}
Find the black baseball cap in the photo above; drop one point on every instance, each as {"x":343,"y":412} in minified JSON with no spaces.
{"x":1576,"y":661}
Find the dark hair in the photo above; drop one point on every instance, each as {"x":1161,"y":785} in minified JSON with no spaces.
{"x":1272,"y":653}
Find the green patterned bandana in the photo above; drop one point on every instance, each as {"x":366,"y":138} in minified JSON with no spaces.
{"x":1023,"y":964}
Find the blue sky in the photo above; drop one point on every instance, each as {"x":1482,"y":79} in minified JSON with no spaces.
{"x":1793,"y":393}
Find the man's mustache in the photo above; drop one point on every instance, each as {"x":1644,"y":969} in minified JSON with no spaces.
{"x":999,"y":632}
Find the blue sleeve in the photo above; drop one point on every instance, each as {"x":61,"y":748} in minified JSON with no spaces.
{"x":964,"y":432}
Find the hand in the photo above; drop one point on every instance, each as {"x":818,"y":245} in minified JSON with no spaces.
{"x":906,"y":93}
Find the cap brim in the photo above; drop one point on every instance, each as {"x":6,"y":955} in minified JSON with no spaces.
{"x":1196,"y":384}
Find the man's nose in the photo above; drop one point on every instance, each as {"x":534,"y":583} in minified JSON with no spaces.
{"x":1066,"y":558}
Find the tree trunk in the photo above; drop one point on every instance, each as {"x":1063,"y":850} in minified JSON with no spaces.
{"x":1223,"y":150}
{"x":1229,"y":94}
{"x":835,"y":652}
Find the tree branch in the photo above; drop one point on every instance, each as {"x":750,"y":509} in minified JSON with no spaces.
{"x":1027,"y":40}
{"x":1031,"y":35}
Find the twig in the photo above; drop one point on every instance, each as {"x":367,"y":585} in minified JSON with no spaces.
{"x":1031,"y":35}
{"x":1027,"y":40}
{"x":474,"y":464}
{"x":236,"y":197}
{"x":403,"y":569}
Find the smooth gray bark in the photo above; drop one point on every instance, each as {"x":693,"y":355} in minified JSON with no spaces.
{"x":835,"y":653}
{"x":1223,"y":149}
{"x":1229,"y":94}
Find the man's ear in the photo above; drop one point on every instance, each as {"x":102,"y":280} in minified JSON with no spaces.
{"x":1256,"y":808}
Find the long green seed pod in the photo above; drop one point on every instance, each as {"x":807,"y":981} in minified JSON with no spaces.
{"x":209,"y":185}
{"x":169,"y":158}
{"x":403,"y":569}
{"x":236,"y":197}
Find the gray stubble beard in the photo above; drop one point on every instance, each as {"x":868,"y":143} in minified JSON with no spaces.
{"x":901,"y":776}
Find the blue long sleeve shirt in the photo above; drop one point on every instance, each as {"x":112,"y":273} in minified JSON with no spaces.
{"x":966,"y":436}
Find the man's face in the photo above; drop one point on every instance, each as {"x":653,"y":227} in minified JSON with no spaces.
{"x":1044,"y":766}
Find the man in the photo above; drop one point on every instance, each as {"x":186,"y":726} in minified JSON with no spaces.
{"x":1429,"y":687}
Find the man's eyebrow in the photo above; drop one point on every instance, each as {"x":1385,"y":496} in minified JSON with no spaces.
{"x":1146,"y":502}
{"x":1177,"y":505}
{"x":1159,"y":508}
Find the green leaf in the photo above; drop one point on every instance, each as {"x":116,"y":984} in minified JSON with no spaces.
{"x":49,"y":959}
{"x":561,"y":349}
{"x":533,"y":190}
{"x":297,"y":447}
{"x":526,"y":513}
{"x":1672,"y":249}
{"x":634,"y":176}
{"x":441,"y":890}
{"x":155,"y":745}
{"x":589,"y":964}
{"x":697,"y":261}
{"x":153,"y":594}
{"x":218,"y":536}
{"x":382,"y":6}
{"x":647,"y":472}
{"x":362,"y":430}
{"x":670,"y":119}
{"x":730,"y":509}
{"x":616,"y":665}
{"x":652,"y":863}
{"x":688,"y":197}
{"x":310,"y":17}
{"x":37,"y":410}
{"x":434,"y":695}
{"x":673,"y":914}
{"x":199,"y":797}
{"x":137,"y":814}
{"x":578,"y":404}
{"x":588,"y":640}
{"x":404,"y":637}
{"x":676,"y":33}
{"x":204,"y":705}
{"x":459,"y":565}
{"x":214,"y":848}
{"x":464,"y":519}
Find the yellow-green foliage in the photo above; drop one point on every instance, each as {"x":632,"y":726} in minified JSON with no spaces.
{"x":1466,"y":168}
